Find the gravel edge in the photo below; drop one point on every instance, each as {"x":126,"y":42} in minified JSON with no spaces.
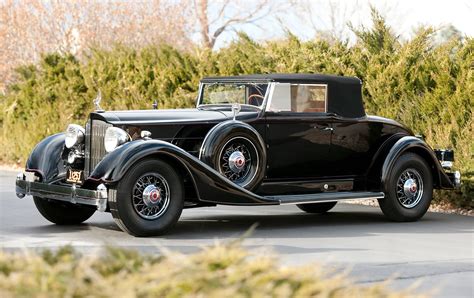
{"x":434,"y":207}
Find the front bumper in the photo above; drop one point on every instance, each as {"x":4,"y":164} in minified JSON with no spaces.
{"x":71,"y":194}
{"x":455,"y":178}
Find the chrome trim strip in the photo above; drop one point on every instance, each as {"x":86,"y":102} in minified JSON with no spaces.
{"x":326,"y":197}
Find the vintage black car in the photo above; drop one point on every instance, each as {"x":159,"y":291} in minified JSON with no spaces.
{"x":269,"y":139}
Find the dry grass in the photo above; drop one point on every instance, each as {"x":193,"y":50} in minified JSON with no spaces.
{"x":218,"y":271}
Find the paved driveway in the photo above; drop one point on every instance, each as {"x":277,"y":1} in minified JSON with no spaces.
{"x":437,"y":251}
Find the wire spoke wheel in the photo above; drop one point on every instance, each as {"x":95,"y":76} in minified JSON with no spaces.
{"x":151,"y":196}
{"x":409,"y":189}
{"x":238,"y":161}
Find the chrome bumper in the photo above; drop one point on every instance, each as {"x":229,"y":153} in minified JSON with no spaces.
{"x":71,"y":194}
{"x":455,"y":178}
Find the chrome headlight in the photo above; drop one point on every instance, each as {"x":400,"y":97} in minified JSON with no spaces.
{"x":74,"y":135}
{"x":114,"y":137}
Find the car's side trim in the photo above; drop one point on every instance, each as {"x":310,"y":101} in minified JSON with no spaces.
{"x":270,"y":188}
{"x":326,"y":197}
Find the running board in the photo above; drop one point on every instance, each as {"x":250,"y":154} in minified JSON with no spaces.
{"x":326,"y":197}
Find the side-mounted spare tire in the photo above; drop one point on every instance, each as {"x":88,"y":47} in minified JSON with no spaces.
{"x":237,"y":151}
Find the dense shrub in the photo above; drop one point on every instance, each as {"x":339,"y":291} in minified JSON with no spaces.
{"x":218,"y":271}
{"x":425,"y":85}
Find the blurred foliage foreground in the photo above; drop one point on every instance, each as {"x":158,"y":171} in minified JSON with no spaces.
{"x":217,"y":271}
{"x":425,"y":84}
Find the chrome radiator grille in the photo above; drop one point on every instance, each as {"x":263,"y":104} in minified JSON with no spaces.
{"x":94,"y":144}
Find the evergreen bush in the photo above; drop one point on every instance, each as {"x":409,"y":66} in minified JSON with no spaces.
{"x":426,"y":86}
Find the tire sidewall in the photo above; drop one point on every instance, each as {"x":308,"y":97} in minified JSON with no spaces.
{"x":124,"y":211}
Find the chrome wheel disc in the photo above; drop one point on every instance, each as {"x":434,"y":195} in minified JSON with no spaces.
{"x":409,"y":188}
{"x":238,"y":160}
{"x":151,"y":196}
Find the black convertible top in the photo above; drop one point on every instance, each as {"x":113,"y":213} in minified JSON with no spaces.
{"x":344,"y":93}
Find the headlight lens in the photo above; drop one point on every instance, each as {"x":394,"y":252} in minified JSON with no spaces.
{"x":114,"y":137}
{"x":74,"y":135}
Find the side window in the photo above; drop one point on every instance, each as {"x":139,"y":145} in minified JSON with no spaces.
{"x":281,"y":98}
{"x":301,"y":98}
{"x":308,"y":98}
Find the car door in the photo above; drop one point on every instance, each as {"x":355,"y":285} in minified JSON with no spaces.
{"x":298,"y":132}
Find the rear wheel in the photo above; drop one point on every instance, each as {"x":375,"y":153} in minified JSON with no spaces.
{"x":62,"y":213}
{"x":409,"y":189}
{"x":148,"y":200}
{"x":317,"y":207}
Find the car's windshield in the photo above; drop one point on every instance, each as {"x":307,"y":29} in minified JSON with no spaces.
{"x":229,"y":93}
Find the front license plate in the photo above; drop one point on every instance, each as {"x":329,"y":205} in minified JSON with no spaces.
{"x":74,"y":176}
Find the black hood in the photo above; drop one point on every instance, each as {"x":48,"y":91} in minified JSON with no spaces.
{"x":179,"y":116}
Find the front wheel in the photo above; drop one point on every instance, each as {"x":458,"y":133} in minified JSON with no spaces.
{"x":62,"y":213}
{"x":409,"y":189}
{"x":148,"y":200}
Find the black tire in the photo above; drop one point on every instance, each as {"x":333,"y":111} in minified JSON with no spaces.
{"x":224,"y":139}
{"x":131,"y":215}
{"x":318,"y":208}
{"x":63,"y":213}
{"x":397,"y":205}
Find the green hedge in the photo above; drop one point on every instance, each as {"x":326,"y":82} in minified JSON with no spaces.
{"x":218,"y":271}
{"x":425,"y":85}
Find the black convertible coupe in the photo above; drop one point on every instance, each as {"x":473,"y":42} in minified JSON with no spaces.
{"x":272,"y":139}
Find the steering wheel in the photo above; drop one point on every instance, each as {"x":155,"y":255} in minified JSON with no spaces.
{"x":253,"y":99}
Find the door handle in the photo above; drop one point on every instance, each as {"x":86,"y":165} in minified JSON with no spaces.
{"x":327,"y":128}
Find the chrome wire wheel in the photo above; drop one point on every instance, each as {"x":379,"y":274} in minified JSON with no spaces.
{"x":151,"y":196}
{"x":409,"y":188}
{"x":238,"y":161}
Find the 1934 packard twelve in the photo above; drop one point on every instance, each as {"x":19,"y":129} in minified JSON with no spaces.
{"x":272,"y":139}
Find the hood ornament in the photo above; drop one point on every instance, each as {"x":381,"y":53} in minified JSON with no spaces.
{"x":236,"y":109}
{"x":97,"y":100}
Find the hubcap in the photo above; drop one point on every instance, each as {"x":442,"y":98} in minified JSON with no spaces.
{"x":409,"y":188}
{"x":238,"y":161}
{"x":151,"y":196}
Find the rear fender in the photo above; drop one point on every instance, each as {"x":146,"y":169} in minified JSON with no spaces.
{"x":417,"y":146}
{"x":45,"y":159}
{"x":210,"y":185}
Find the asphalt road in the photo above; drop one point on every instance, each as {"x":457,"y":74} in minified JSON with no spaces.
{"x":437,"y":252}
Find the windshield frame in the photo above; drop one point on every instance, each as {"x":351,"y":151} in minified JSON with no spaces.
{"x":261,"y":107}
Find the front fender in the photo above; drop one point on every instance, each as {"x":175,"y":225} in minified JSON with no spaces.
{"x":209,"y":184}
{"x":418,"y":146}
{"x":45,"y":159}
